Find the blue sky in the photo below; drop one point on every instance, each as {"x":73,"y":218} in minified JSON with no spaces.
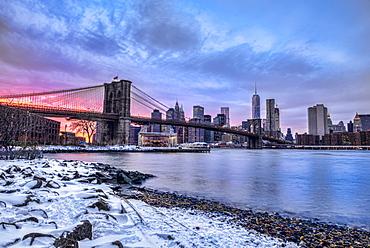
{"x":201,"y":52}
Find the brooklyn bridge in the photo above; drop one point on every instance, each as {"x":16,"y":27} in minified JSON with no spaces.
{"x":118,"y":104}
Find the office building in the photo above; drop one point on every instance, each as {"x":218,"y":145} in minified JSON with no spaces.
{"x":357,"y":127}
{"x":365,"y":122}
{"x":225,"y":111}
{"x":156,"y":115}
{"x":350,"y":127}
{"x":318,"y":120}
{"x":195,"y":134}
{"x":256,"y":105}
{"x":270,"y":116}
{"x":219,"y":120}
{"x":198,"y":112}
{"x":277,"y":119}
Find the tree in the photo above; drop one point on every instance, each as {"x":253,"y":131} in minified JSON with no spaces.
{"x":85,"y":126}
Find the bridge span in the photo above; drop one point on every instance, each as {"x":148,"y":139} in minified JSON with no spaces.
{"x":117,"y":104}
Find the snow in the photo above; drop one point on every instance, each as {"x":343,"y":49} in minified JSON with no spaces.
{"x":58,"y":205}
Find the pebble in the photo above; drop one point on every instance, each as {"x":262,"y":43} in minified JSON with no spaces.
{"x":305,"y":233}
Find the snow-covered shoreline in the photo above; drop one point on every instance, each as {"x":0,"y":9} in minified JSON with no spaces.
{"x":43,"y":201}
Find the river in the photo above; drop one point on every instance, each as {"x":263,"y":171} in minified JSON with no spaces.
{"x":331,"y":186}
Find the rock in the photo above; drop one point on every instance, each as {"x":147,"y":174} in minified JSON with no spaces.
{"x":122,"y":178}
{"x":70,"y":239}
{"x":101,"y":205}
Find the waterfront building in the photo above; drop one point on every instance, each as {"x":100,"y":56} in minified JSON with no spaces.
{"x":361,"y":138}
{"x":18,"y":125}
{"x":317,"y":120}
{"x":225,"y":111}
{"x":307,"y":139}
{"x":134,"y":134}
{"x":256,"y":104}
{"x":154,"y":139}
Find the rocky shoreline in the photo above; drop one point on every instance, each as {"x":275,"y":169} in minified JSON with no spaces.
{"x":305,"y":233}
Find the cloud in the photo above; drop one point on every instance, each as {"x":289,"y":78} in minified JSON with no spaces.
{"x":160,"y":29}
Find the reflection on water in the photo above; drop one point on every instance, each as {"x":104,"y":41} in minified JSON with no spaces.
{"x":329,"y":185}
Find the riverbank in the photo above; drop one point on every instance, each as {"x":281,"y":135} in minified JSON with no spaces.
{"x":42,"y":199}
{"x":47,"y":202}
{"x":117,"y":149}
{"x":305,"y":233}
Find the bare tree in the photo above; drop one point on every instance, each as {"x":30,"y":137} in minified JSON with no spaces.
{"x":85,"y":126}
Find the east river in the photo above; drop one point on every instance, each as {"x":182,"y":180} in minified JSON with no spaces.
{"x":331,"y":186}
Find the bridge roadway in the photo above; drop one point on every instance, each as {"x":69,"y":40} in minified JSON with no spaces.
{"x":96,"y":116}
{"x":143,"y":120}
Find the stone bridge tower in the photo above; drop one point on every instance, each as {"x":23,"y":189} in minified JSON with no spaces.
{"x":255,"y":126}
{"x":117,"y":100}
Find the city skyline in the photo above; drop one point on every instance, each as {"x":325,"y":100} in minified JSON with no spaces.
{"x":207,"y":53}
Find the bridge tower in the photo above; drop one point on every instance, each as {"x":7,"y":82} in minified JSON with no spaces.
{"x":117,"y":100}
{"x":254,"y":126}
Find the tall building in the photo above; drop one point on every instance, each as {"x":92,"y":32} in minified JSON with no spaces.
{"x":357,"y":126}
{"x":270,"y":115}
{"x":277,"y":119}
{"x":256,"y":105}
{"x":318,"y":120}
{"x":225,"y":111}
{"x":177,"y":113}
{"x":209,"y":136}
{"x":220,"y":120}
{"x":350,"y":127}
{"x":156,"y":115}
{"x":365,"y":122}
{"x":198,"y":112}
{"x":195,"y":134}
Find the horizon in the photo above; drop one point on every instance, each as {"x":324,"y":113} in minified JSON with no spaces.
{"x":207,"y":53}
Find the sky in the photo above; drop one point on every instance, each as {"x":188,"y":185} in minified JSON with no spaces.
{"x":199,"y":52}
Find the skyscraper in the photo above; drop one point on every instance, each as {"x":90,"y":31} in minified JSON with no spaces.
{"x":225,"y":111}
{"x":256,"y":104}
{"x":156,"y":115}
{"x":270,"y":115}
{"x":198,"y":112}
{"x":318,"y":120}
{"x":277,"y":119}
